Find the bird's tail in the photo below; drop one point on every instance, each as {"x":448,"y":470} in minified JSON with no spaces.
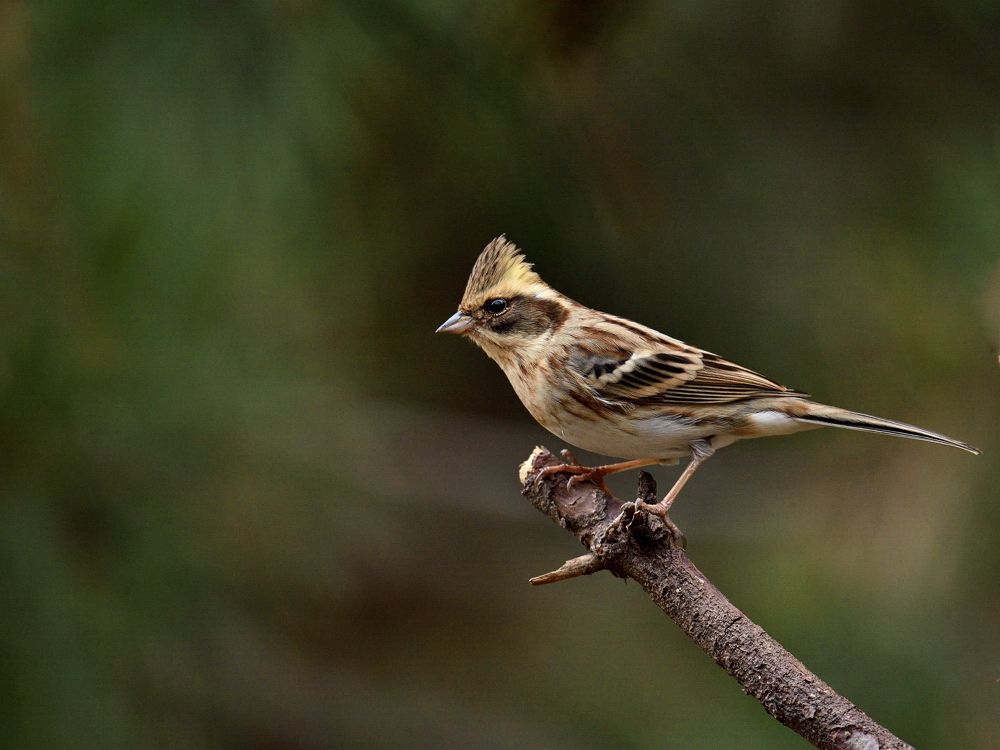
{"x":832,"y":416}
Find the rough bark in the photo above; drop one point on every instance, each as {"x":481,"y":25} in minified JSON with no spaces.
{"x":626,"y":540}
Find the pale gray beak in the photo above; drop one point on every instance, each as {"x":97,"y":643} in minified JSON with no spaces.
{"x":457,"y":323}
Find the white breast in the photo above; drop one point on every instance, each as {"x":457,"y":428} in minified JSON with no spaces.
{"x":663,"y":436}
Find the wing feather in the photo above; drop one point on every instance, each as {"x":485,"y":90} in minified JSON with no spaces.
{"x":667,"y":371}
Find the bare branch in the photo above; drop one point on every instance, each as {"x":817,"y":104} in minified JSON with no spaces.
{"x":626,"y":540}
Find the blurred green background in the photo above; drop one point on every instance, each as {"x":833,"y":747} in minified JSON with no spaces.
{"x":250,"y":500}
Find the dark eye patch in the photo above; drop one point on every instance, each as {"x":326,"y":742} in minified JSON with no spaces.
{"x":525,"y":316}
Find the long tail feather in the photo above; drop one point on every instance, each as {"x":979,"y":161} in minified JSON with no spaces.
{"x":834,"y":417}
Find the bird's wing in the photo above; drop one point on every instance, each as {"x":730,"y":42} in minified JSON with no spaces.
{"x":670,"y":372}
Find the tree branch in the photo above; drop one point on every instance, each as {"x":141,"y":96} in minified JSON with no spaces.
{"x":626,"y":540}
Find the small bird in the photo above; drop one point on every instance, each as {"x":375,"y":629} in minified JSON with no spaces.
{"x":618,"y":388}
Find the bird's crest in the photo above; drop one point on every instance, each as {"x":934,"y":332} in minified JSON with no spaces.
{"x":501,"y":269}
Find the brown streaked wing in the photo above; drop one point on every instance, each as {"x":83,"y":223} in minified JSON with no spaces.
{"x":676,"y":374}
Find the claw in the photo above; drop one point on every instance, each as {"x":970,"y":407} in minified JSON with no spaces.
{"x":538,"y":478}
{"x":591,"y":476}
{"x":581,"y":474}
{"x":558,"y":468}
{"x":679,"y":539}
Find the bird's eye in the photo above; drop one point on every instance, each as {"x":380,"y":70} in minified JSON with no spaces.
{"x":496,"y":306}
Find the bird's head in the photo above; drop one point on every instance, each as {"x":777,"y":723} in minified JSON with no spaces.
{"x":506,"y":306}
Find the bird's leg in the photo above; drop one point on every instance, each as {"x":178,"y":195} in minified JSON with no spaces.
{"x":593,"y":474}
{"x":597,"y":474}
{"x":700,"y":451}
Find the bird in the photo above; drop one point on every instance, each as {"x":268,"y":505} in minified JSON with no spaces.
{"x":621,"y":389}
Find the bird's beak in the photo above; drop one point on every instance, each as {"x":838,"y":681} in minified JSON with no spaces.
{"x":457,"y":323}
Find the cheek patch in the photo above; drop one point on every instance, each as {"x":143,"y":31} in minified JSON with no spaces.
{"x":507,"y":324}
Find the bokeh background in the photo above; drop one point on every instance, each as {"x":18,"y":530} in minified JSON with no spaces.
{"x":250,"y":500}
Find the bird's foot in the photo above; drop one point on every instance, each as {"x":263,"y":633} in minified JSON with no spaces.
{"x":580,"y":474}
{"x":660,"y":510}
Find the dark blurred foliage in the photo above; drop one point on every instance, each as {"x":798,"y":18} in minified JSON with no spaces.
{"x":251,"y":501}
